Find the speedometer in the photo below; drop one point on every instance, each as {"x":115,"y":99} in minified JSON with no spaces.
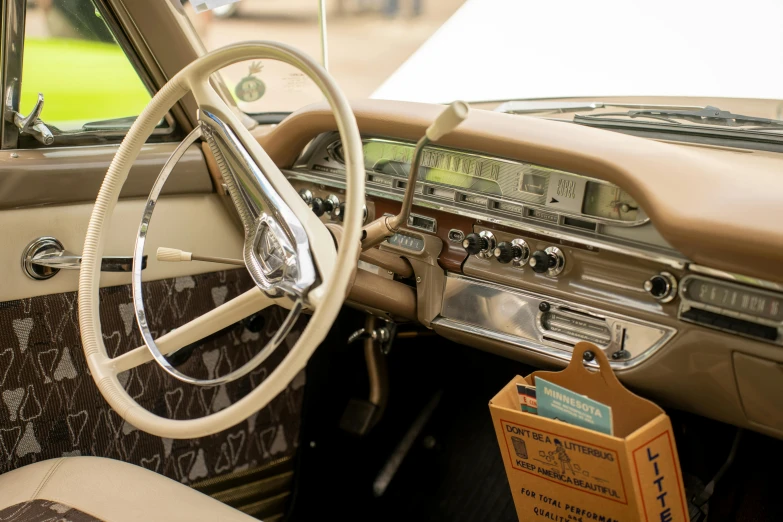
{"x":609,"y":202}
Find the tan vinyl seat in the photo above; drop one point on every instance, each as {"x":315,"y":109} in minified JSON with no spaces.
{"x":103,"y":489}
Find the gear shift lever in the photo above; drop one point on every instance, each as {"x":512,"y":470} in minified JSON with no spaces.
{"x":385,"y":226}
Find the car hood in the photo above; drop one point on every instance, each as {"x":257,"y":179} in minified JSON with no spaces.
{"x":521,"y":49}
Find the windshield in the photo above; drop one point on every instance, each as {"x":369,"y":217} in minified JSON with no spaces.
{"x":625,"y":55}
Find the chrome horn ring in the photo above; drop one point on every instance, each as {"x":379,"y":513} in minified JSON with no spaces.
{"x":138,"y":297}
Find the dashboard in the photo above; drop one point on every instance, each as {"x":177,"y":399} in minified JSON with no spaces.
{"x":524,"y":251}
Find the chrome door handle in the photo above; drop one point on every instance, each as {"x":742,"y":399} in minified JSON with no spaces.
{"x":46,"y":256}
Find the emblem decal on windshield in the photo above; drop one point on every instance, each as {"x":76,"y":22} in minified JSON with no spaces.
{"x":251,"y":88}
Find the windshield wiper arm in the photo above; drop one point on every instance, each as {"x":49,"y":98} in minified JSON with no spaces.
{"x":706,"y":116}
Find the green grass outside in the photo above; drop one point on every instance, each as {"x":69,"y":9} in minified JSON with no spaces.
{"x":81,"y":81}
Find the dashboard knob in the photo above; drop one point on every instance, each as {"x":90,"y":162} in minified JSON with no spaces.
{"x":662,"y":287}
{"x":306,"y":196}
{"x":475,"y":244}
{"x":541,"y":261}
{"x":319,"y":206}
{"x":506,"y":252}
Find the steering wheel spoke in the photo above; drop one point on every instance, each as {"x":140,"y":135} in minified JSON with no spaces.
{"x":242,"y":306}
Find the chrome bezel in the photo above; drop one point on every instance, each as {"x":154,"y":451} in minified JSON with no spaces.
{"x":561,"y":261}
{"x":487,"y":253}
{"x":38,"y":246}
{"x":671,"y":287}
{"x":520,"y":262}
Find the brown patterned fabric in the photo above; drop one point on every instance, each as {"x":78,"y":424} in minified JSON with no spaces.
{"x":44,"y":511}
{"x":50,"y":407}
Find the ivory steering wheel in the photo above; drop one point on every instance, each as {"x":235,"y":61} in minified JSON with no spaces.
{"x":289,"y":253}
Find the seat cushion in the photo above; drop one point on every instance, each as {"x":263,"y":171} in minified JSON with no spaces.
{"x":90,"y":488}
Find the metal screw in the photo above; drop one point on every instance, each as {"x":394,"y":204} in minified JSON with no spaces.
{"x":312,"y":443}
{"x":588,"y":356}
{"x":14,"y":155}
{"x":390,"y":272}
{"x":429,"y":442}
{"x":418,"y":279}
{"x":543,"y":306}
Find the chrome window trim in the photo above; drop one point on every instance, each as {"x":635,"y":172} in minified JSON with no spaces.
{"x":13,"y":37}
{"x":617,"y":245}
{"x":13,"y":20}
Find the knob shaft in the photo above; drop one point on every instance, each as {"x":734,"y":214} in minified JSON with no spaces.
{"x":474,"y":244}
{"x":505,"y":252}
{"x":339,"y":212}
{"x":542,"y":261}
{"x":319,"y":206}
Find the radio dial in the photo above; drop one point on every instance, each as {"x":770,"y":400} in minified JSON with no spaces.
{"x":475,"y":244}
{"x":319,"y":206}
{"x":506,"y":252}
{"x":540,"y":261}
{"x":550,"y":261}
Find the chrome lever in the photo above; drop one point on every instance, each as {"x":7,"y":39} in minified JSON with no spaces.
{"x":46,"y":256}
{"x":32,"y":125}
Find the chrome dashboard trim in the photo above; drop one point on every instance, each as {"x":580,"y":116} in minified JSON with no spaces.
{"x":737,"y":278}
{"x":513,"y":316}
{"x":618,"y":245}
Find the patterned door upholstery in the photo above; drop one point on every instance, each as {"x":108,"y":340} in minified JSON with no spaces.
{"x":50,"y":407}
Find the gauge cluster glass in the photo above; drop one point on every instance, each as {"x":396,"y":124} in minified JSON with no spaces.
{"x":609,"y":202}
{"x":531,"y":185}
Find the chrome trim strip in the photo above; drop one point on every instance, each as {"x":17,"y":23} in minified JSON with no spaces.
{"x":138,"y":297}
{"x":619,"y":246}
{"x":513,"y":316}
{"x":737,"y":278}
{"x":13,"y":21}
{"x":262,"y":212}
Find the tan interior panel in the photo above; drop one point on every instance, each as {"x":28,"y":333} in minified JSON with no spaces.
{"x":198,"y":224}
{"x":65,"y":175}
{"x":760,"y":384}
{"x":687,"y":210}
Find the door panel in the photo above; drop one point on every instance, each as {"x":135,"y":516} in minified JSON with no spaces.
{"x":66,"y":175}
{"x":51,"y":407}
{"x":198,"y":224}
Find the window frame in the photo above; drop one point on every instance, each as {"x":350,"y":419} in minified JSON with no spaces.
{"x":12,"y":57}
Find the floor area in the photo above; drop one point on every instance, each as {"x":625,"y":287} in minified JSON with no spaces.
{"x":453,"y":471}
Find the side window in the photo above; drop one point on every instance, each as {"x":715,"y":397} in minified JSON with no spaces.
{"x":72,"y":57}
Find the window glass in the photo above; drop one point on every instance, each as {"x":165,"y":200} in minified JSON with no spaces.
{"x":72,"y":57}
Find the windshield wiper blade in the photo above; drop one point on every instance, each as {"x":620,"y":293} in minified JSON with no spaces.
{"x":708,"y":115}
{"x":563,"y":106}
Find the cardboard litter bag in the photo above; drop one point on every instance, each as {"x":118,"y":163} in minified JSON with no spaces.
{"x":562,"y":472}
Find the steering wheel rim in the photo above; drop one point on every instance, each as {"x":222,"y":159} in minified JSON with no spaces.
{"x":325,"y":299}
